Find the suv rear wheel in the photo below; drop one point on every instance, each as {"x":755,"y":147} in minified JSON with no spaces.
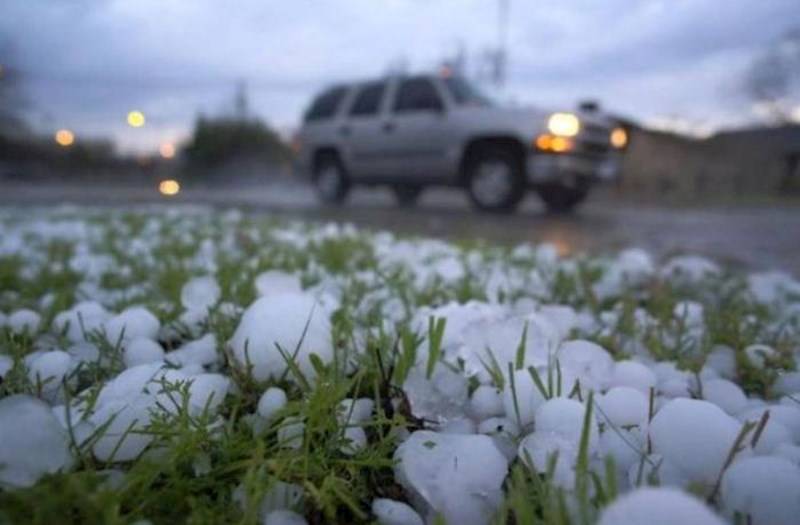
{"x":406,"y":195}
{"x":560,"y":198}
{"x":495,"y":180}
{"x":330,"y":179}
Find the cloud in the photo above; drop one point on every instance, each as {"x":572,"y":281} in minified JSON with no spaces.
{"x":88,"y":62}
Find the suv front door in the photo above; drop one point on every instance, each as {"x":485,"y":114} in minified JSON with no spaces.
{"x":367,"y":149}
{"x":417,"y":129}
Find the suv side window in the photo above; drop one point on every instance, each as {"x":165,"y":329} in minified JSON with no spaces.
{"x":325,"y":105}
{"x":368,"y":100}
{"x":417,"y":94}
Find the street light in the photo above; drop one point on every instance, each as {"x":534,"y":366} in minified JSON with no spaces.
{"x":169,"y":187}
{"x":65,"y":138}
{"x":167,"y":150}
{"x":135,"y":119}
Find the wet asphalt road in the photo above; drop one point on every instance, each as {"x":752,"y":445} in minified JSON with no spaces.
{"x":759,"y":237}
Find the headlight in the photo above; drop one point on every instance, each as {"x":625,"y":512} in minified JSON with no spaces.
{"x":619,"y":138}
{"x":564,"y":124}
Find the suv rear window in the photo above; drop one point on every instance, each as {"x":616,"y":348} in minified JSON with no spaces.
{"x":417,"y":94}
{"x":325,"y":105}
{"x":368,"y":99}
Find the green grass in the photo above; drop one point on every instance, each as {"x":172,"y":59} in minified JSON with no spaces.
{"x":197,"y":464}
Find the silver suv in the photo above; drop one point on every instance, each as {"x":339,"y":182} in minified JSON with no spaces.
{"x":409,"y":132}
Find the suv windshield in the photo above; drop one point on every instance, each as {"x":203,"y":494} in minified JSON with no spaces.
{"x":325,"y":105}
{"x":464,"y":93}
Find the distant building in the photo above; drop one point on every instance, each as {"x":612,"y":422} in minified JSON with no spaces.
{"x":762,"y":161}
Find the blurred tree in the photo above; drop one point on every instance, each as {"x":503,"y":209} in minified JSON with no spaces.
{"x":237,"y":136}
{"x":772,"y":79}
{"x":20,"y":145}
{"x":218,"y":140}
{"x":11,"y":100}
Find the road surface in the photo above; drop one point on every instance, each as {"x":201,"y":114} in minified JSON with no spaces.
{"x":756,"y":237}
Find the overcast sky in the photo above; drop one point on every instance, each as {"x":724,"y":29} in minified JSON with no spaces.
{"x":88,"y":62}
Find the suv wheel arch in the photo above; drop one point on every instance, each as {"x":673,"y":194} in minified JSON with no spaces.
{"x":329,"y":175}
{"x":493,"y":173}
{"x":477,"y":145}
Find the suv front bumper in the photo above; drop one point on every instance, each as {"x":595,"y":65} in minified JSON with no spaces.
{"x":556,"y":167}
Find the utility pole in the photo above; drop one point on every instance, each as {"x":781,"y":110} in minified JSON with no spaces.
{"x":500,"y":58}
{"x":240,"y":104}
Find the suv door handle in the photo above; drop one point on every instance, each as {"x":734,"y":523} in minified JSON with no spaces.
{"x":344,"y":130}
{"x":388,"y":127}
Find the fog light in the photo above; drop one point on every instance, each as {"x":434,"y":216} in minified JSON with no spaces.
{"x":547,"y":142}
{"x":544,"y":142}
{"x":560,"y":144}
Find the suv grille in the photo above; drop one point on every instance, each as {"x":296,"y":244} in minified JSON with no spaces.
{"x":595,"y":129}
{"x":594,"y":148}
{"x":594,"y":140}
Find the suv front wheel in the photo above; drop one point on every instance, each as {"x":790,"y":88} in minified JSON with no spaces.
{"x":495,"y":180}
{"x":330,"y":179}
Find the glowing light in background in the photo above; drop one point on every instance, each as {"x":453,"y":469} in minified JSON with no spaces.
{"x":136,"y":119}
{"x":167,"y":150}
{"x":169,"y":187}
{"x":297,"y":143}
{"x":65,"y":138}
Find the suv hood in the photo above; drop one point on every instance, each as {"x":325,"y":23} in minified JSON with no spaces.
{"x":504,"y":112}
{"x":526,"y":121}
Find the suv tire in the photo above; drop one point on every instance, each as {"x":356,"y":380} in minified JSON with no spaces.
{"x":406,"y":195}
{"x":495,"y":180}
{"x":562,"y":199}
{"x":330,"y":179}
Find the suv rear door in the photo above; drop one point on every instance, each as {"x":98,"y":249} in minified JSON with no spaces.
{"x":417,"y":129}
